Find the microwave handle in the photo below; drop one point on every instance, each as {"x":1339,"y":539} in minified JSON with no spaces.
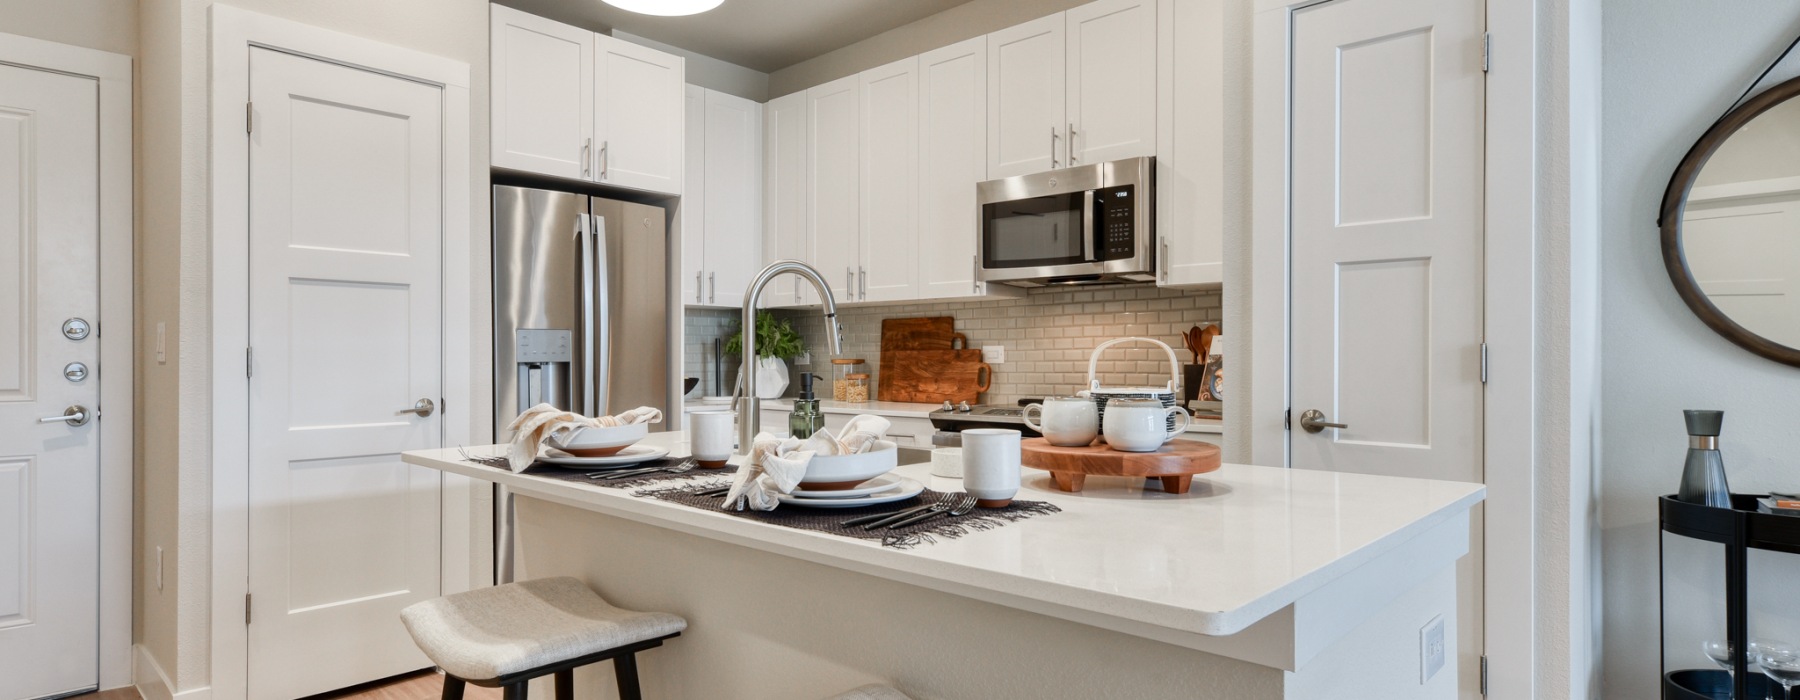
{"x":1088,"y":228}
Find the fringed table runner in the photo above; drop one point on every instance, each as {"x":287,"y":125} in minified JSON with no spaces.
{"x":581,"y":476}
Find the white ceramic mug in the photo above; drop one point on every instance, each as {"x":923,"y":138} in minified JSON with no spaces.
{"x":1069,"y":421}
{"x":712,"y":437}
{"x":991,"y":467}
{"x":1140,"y":425}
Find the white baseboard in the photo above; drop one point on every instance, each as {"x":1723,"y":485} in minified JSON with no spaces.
{"x":153,"y":684}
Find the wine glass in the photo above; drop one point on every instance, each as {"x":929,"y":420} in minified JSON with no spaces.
{"x":1719,"y":651}
{"x":1753,"y":660}
{"x":1781,"y":663}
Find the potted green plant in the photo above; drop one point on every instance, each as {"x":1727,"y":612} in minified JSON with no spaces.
{"x":776,"y":343}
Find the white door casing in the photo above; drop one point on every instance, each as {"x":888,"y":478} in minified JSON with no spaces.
{"x":833,"y":192}
{"x":1112,"y":81}
{"x":1025,"y":96}
{"x":638,"y":120}
{"x":49,"y":473}
{"x":888,"y":268}
{"x":785,"y":210}
{"x":543,"y":94}
{"x":952,"y":158}
{"x":1387,"y":251}
{"x":346,"y":268}
{"x":733,"y":199}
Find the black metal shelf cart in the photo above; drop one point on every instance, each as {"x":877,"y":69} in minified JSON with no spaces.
{"x":1740,"y":529}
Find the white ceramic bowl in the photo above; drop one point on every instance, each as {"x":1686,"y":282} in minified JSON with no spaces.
{"x":603,"y":442}
{"x":827,"y":473}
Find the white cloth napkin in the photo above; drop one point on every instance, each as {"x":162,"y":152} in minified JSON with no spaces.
{"x":544,"y":421}
{"x":783,"y":461}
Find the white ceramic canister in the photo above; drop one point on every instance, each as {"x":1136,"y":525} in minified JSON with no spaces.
{"x":991,"y":465}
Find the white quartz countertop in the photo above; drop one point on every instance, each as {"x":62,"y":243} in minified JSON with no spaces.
{"x":1244,"y":543}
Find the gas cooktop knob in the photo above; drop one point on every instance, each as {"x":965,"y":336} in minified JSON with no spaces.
{"x":947,"y":407}
{"x":962,"y":407}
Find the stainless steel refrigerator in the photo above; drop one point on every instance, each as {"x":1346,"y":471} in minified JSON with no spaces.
{"x":582,"y":313}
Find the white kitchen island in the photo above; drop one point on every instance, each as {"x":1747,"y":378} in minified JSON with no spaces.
{"x":1259,"y":583}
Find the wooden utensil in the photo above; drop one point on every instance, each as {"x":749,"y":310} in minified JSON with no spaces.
{"x":933,"y":376}
{"x":1175,"y":464}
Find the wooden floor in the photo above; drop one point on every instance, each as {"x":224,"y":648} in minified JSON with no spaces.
{"x":424,"y":685}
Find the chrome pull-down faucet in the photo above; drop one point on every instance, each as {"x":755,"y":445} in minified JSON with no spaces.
{"x":749,"y":407}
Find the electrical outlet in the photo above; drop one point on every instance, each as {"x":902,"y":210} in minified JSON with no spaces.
{"x":993,"y":354}
{"x":804,"y":359}
{"x":1431,"y":649}
{"x":159,"y":568}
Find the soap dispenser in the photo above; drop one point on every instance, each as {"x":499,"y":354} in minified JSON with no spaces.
{"x":1703,"y":480}
{"x":806,"y":418}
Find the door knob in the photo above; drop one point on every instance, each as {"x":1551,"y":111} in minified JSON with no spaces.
{"x":421,"y":409}
{"x":73,"y":415}
{"x":1313,"y":421}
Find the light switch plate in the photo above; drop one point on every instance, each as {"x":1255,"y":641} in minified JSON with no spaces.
{"x":993,"y":354}
{"x":805,"y":358}
{"x":1431,"y":649}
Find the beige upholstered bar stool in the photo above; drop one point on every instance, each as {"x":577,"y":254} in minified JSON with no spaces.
{"x":504,"y":636}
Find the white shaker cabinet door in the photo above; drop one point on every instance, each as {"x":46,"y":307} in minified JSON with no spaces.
{"x":889,"y":267}
{"x":543,"y":94}
{"x":1025,"y":98}
{"x":638,"y":124}
{"x":784,"y":196}
{"x":733,"y":128}
{"x":1190,"y":144}
{"x":1111,"y":81}
{"x":952,"y":159}
{"x":691,"y":216}
{"x":833,"y":178}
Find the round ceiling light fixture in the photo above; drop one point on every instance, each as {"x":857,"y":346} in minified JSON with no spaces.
{"x":665,"y":8}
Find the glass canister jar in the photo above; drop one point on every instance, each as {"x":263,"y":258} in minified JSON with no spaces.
{"x":841,"y":369}
{"x":857,"y":388}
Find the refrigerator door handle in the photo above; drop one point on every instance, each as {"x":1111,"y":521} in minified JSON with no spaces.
{"x":585,"y":248}
{"x":599,"y":322}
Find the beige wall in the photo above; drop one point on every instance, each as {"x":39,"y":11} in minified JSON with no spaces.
{"x":942,"y":29}
{"x":107,"y":25}
{"x":174,"y":243}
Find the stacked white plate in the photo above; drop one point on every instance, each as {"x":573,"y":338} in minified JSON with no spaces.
{"x":886,"y":488}
{"x":635,"y":454}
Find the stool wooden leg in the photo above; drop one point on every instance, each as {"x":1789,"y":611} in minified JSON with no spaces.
{"x":515,"y":691}
{"x":625,"y":668}
{"x":565,"y":685}
{"x":453,"y":687}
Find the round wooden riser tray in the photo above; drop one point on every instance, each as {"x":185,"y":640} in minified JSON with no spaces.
{"x":1175,"y":464}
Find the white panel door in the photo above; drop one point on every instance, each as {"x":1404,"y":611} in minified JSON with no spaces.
{"x":733,"y":196}
{"x":1740,"y":250}
{"x":784,"y":196}
{"x":543,"y":94}
{"x":692,"y":216}
{"x":889,"y":268}
{"x":346,"y":230}
{"x":1387,"y":251}
{"x":1025,"y":98}
{"x":49,"y":472}
{"x":638,"y":97}
{"x":1111,"y":81}
{"x":952,"y":159}
{"x":833,"y":222}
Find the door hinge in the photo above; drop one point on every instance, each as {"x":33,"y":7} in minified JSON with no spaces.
{"x":249,"y":117}
{"x":246,"y":363}
{"x":246,"y":609}
{"x":1484,"y":675}
{"x":1287,"y":419}
{"x":1484,"y":363}
{"x":1487,"y":50}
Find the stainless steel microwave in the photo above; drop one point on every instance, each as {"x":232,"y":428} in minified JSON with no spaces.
{"x":1087,"y":224}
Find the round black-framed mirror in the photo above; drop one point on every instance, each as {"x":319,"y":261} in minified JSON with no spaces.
{"x":1730,"y":223}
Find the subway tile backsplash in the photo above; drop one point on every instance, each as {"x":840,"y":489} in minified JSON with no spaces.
{"x":703,"y":326}
{"x":1049,"y":335}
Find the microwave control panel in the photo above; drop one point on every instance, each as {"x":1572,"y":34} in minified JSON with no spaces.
{"x":1115,"y":211}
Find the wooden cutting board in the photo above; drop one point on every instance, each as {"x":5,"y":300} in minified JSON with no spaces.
{"x":1175,"y":464}
{"x":933,"y":333}
{"x":933,"y":376}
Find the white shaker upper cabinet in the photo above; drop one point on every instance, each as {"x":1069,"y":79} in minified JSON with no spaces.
{"x":833,"y":177}
{"x":543,"y":94}
{"x":1111,"y":81}
{"x":952,"y":159}
{"x":1190,"y":146}
{"x":1025,"y":97}
{"x":691,"y":217}
{"x":733,"y":202}
{"x":784,"y":196}
{"x":889,"y":266}
{"x":637,"y":116}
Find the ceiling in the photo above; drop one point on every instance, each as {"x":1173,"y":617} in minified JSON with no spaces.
{"x":765,"y":35}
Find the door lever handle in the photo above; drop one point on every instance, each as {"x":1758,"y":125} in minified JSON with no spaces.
{"x":421,"y":409}
{"x":1313,"y":421}
{"x":73,"y":415}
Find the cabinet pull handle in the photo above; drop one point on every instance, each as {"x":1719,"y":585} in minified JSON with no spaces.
{"x":862,"y":277}
{"x":698,"y":287}
{"x":850,"y":282}
{"x":1165,"y":259}
{"x":1071,"y":143}
{"x":587,"y":165}
{"x":712,"y":282}
{"x":1053,"y":138}
{"x":975,"y":273}
{"x":605,"y":159}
